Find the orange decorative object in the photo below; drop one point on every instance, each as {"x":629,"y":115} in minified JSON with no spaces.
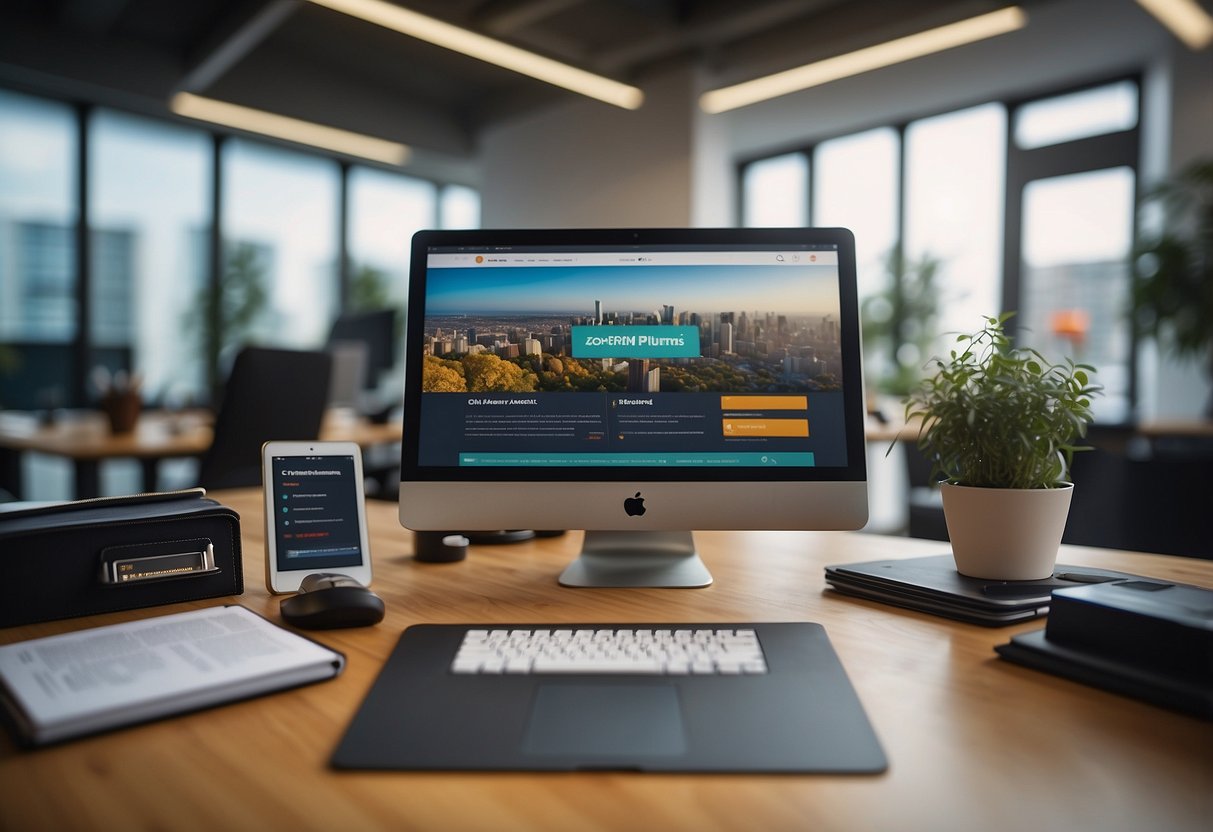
{"x":1071,"y":324}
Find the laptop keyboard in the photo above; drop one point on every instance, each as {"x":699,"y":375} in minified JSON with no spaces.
{"x":584,"y":650}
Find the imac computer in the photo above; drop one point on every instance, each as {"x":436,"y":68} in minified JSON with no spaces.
{"x":634,"y":383}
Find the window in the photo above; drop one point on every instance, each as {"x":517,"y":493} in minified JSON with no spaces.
{"x":385,"y":211}
{"x":38,"y":309}
{"x":1065,"y":118}
{"x":775,"y":192}
{"x":459,"y":207}
{"x":1078,"y":231}
{"x":955,"y":165}
{"x":279,"y":245}
{"x":953,"y":222}
{"x":149,"y":220}
{"x":856,"y":187}
{"x":149,"y":199}
{"x":1071,"y":197}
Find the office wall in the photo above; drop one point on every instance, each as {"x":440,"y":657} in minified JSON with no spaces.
{"x":590,"y":164}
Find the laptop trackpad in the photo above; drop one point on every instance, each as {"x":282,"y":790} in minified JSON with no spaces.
{"x":586,"y":720}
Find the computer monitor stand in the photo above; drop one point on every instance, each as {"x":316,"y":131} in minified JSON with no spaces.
{"x":637,"y":559}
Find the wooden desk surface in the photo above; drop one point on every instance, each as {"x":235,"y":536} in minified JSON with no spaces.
{"x":974,"y":743}
{"x":158,"y":435}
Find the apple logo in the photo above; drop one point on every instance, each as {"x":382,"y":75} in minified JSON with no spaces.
{"x":634,"y":506}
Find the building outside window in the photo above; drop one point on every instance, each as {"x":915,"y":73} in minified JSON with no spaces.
{"x":38,"y":307}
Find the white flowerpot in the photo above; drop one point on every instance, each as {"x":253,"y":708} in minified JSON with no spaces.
{"x":1005,"y":534}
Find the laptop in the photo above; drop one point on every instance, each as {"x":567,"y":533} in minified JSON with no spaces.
{"x":793,"y":711}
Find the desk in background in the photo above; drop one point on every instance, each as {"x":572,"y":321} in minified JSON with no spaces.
{"x":84,"y":438}
{"x":974,"y":743}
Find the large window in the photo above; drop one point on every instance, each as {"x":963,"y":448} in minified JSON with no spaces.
{"x":1025,"y":206}
{"x":385,"y":211}
{"x":107,"y":224}
{"x":1071,"y":196}
{"x":954,"y":209}
{"x":775,"y":192}
{"x":279,"y":246}
{"x":38,"y":305}
{"x":855,"y":186}
{"x":149,"y":199}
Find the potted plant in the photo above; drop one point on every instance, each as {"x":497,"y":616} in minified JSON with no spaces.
{"x":999,"y":423}
{"x":1172,"y":296}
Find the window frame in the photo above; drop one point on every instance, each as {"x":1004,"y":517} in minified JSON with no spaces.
{"x":1120,"y":148}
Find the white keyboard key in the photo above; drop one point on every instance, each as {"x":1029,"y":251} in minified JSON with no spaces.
{"x":590,"y":650}
{"x":596,"y":666}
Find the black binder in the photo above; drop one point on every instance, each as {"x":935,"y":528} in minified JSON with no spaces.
{"x":63,"y":560}
{"x":1149,"y":639}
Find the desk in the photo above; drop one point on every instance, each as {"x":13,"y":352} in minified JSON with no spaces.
{"x":85,"y":439}
{"x":974,"y":743}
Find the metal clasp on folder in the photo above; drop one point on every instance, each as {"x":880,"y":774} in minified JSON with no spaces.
{"x":150,"y":567}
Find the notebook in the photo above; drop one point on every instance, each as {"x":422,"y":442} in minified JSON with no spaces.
{"x":796,"y":711}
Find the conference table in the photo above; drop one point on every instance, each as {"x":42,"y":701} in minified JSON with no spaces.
{"x":973,"y":742}
{"x":84,"y":438}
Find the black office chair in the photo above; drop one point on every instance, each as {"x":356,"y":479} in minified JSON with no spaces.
{"x":925,"y":504}
{"x":270,"y":394}
{"x":1145,"y":495}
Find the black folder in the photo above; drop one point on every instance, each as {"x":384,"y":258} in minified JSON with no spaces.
{"x":932,"y":584}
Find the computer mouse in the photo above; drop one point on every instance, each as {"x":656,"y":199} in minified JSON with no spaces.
{"x":327,"y":601}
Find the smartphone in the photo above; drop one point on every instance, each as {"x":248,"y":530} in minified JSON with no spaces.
{"x":315,"y":512}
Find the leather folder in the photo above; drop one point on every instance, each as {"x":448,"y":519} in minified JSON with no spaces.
{"x":62,"y":560}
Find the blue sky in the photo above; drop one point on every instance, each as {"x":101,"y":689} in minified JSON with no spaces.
{"x":786,"y":289}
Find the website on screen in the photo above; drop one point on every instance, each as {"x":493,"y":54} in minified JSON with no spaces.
{"x":632,"y":358}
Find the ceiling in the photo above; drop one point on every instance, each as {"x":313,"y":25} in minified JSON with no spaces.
{"x":302,"y":60}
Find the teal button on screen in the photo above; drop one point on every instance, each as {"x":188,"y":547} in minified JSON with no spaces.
{"x":635,"y":341}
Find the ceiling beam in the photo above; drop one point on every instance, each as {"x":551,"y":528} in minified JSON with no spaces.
{"x":96,"y":17}
{"x":231,"y":40}
{"x":720,"y":30}
{"x":505,"y":17}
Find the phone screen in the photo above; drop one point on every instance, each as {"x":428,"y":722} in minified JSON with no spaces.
{"x":316,"y":517}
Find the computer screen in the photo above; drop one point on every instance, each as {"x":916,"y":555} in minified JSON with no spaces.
{"x":634,"y":383}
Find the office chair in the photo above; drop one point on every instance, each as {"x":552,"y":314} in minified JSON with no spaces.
{"x":925,"y":504}
{"x":1144,"y":494}
{"x":270,"y":394}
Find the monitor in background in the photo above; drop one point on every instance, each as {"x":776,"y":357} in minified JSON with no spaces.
{"x":634,"y":383}
{"x":377,"y":330}
{"x":349,"y":376}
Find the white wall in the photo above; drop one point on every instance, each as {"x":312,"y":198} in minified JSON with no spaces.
{"x":588,"y":164}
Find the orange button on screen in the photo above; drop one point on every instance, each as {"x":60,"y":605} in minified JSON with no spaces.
{"x":766,"y":427}
{"x":764,"y":402}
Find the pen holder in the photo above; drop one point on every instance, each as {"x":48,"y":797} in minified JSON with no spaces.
{"x":123,"y":410}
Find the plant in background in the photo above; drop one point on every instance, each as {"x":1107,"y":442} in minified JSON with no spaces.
{"x":368,"y":288}
{"x":369,"y":292}
{"x":224,"y":319}
{"x":1172,"y":294}
{"x":995,"y":416}
{"x":899,"y":322}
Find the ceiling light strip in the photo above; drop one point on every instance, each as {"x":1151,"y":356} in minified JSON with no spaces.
{"x":489,"y":50}
{"x":1186,"y":20}
{"x":864,"y":60}
{"x":291,"y":129}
